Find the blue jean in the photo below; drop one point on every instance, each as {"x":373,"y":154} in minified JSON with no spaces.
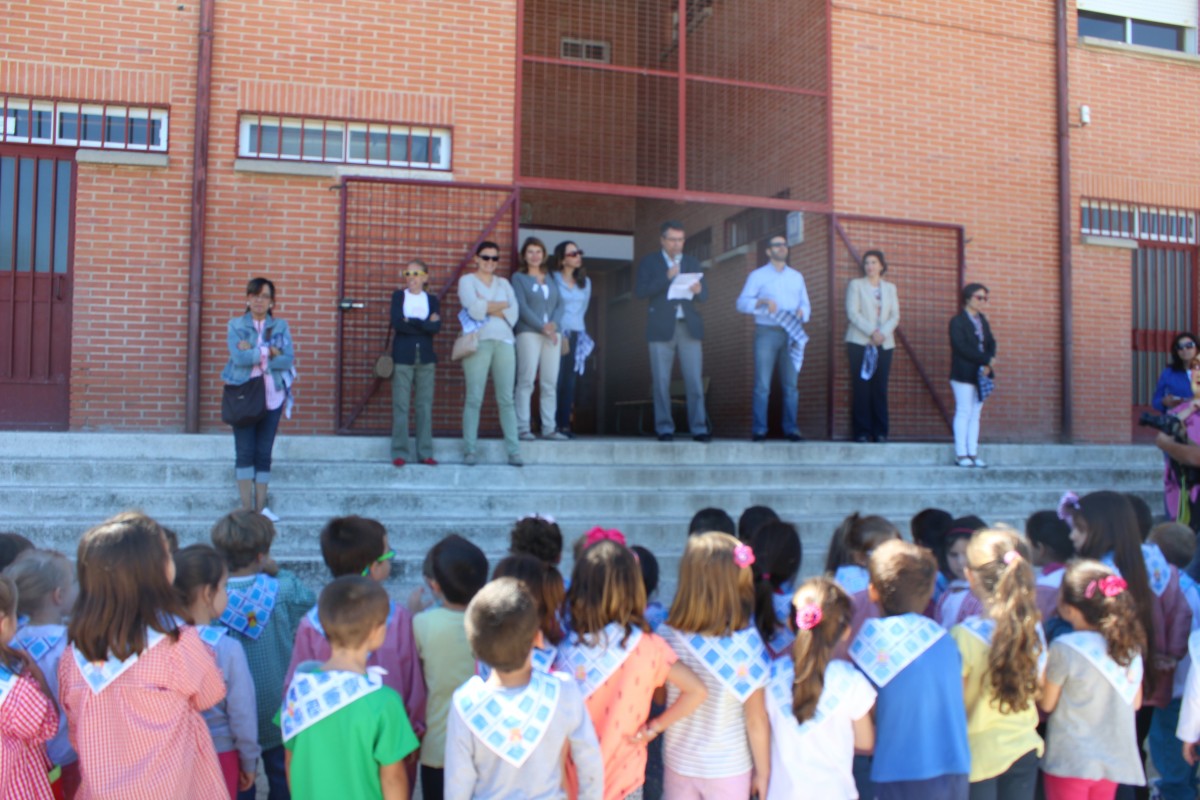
{"x":252,"y":446}
{"x":771,"y":353}
{"x":1178,"y":779}
{"x":273,"y":767}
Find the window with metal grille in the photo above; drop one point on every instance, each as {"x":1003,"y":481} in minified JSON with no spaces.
{"x":1134,"y":31}
{"x":29,"y":120}
{"x":747,"y":227}
{"x":585,"y":50}
{"x":699,"y":245}
{"x":343,"y":141}
{"x":697,"y":12}
{"x":1147,"y":223}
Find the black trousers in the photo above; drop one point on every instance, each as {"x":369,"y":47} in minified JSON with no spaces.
{"x":869,"y":410}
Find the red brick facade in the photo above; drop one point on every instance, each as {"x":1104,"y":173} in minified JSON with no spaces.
{"x":941,"y":111}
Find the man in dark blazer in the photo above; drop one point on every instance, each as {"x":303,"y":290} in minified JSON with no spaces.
{"x":674,"y":326}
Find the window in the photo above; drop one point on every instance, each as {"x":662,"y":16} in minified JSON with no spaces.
{"x":344,"y":142}
{"x":1123,"y":221}
{"x":1133,"y":31}
{"x":699,"y":245}
{"x":584,"y":50}
{"x":70,"y":124}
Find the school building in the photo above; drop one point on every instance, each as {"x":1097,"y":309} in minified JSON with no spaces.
{"x":155,"y":156}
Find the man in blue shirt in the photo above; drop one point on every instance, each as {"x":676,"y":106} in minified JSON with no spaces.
{"x":773,"y":288}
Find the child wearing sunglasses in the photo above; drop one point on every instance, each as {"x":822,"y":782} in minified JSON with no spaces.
{"x":415,"y":320}
{"x":359,"y":546}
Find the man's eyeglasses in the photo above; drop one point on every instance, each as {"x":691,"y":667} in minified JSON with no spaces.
{"x":980,"y":297}
{"x":489,"y":258}
{"x":388,"y":556}
{"x":777,"y":244}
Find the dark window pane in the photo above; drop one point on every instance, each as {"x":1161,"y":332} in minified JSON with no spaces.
{"x":333,"y":144}
{"x":68,"y":125}
{"x":420,"y":153}
{"x":435,"y":150}
{"x":400,"y":147}
{"x":267,"y":139}
{"x":1153,"y":34}
{"x":156,"y":133}
{"x":312,"y":142}
{"x":358,"y":145}
{"x":1101,"y":26}
{"x":43,"y":124}
{"x":62,"y":217}
{"x":137,"y":130}
{"x":291,"y":141}
{"x":114,"y":130}
{"x":92,"y":124}
{"x":44,"y":221}
{"x":21,"y":126}
{"x":8,"y":190}
{"x":24,"y":214}
{"x":378,"y":140}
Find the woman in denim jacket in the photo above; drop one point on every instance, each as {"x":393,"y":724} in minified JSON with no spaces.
{"x":259,"y":344}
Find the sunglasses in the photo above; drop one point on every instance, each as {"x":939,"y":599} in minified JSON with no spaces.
{"x":573,"y":253}
{"x":1186,"y":346}
{"x":388,"y":556}
{"x":413,"y":273}
{"x":489,"y":258}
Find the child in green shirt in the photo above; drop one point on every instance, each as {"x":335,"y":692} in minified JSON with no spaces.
{"x":346,"y":734}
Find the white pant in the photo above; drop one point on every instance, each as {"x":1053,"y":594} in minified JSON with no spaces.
{"x":967,"y":408}
{"x":537,"y":356}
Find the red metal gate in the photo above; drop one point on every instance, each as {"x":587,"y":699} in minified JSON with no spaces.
{"x":37,"y":191}
{"x":1164,"y":291}
{"x":386,"y":223}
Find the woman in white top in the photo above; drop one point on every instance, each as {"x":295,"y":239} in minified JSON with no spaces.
{"x":488,"y":299}
{"x":576,"y":290}
{"x":873,"y":309}
{"x":538,"y":346}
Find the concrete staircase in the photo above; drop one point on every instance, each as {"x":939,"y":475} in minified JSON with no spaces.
{"x":53,"y":486}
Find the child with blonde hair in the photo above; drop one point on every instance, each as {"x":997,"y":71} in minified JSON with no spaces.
{"x":723,"y":749}
{"x":1093,"y":687}
{"x":46,"y":590}
{"x":200,"y":580}
{"x":28,"y":717}
{"x":819,"y":705}
{"x":1001,"y":651}
{"x":921,"y":748}
{"x":134,"y":675}
{"x":619,"y":663}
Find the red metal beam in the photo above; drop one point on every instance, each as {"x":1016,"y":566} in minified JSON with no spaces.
{"x":681,"y":196}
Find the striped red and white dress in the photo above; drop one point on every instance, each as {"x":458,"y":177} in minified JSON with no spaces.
{"x":27,"y":721}
{"x":142,"y":736}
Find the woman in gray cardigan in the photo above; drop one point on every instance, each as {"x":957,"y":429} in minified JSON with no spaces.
{"x":538,"y":343}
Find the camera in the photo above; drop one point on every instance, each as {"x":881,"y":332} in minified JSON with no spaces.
{"x":1171,"y":425}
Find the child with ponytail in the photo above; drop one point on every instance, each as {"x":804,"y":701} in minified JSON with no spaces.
{"x":618,"y":663}
{"x":200,"y":579}
{"x":777,"y":554}
{"x":1093,"y":687}
{"x":46,"y":590}
{"x":134,"y":678}
{"x":28,"y":716}
{"x":819,"y":706}
{"x":723,"y":750}
{"x":1001,"y":650}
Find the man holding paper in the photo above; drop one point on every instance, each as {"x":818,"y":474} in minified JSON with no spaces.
{"x":673,"y":284}
{"x":777,"y":297}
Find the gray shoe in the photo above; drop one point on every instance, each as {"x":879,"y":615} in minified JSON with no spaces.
{"x":515,"y":461}
{"x":527,"y":436}
{"x":470,"y":460}
{"x":557,"y":437}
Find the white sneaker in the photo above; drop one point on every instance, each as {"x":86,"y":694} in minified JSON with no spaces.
{"x":527,"y":437}
{"x":963,"y":461}
{"x":979,"y":462}
{"x":556,"y":437}
{"x":269,"y":514}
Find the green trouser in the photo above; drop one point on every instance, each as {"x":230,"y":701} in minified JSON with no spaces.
{"x":403,"y":378}
{"x":500,"y":359}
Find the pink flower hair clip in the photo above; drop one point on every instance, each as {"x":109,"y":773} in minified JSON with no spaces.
{"x":809,"y":616}
{"x":743,"y":555}
{"x":1011,"y":556}
{"x":1067,"y":506}
{"x":598,"y":534}
{"x":1109,"y":586}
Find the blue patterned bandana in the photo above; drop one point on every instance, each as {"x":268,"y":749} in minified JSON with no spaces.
{"x":591,"y":666}
{"x":38,"y":640}
{"x":250,"y":607}
{"x":739,"y":661}
{"x":885,"y":646}
{"x":510,"y":724}
{"x":313,"y":696}
{"x":1092,"y":646}
{"x":100,"y":675}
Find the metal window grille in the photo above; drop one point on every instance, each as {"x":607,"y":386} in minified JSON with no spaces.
{"x":753,"y":224}
{"x":30,"y":120}
{"x":1146,"y":223}
{"x":342,"y":141}
{"x":584,"y":50}
{"x":699,"y":245}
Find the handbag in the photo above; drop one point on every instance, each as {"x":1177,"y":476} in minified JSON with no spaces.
{"x":384,"y":365}
{"x":465,"y":345}
{"x":245,"y":404}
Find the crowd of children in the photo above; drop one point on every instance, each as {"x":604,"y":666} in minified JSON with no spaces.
{"x":970,"y":662}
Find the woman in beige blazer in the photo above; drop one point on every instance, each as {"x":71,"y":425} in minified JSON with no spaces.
{"x":874,"y":312}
